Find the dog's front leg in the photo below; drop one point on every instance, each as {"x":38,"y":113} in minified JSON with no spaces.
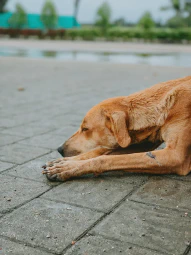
{"x":164,"y":161}
{"x":105,"y":151}
{"x":84,"y":156}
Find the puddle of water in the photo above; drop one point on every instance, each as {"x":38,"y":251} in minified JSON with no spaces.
{"x":170,"y":59}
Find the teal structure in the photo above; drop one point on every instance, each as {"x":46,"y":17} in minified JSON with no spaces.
{"x":34,"y":21}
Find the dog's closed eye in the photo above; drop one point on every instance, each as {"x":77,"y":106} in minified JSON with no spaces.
{"x":84,"y":129}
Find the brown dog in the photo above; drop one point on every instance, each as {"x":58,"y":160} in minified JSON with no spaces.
{"x":129,"y":129}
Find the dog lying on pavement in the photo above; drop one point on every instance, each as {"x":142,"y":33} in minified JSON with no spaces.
{"x":122,"y":133}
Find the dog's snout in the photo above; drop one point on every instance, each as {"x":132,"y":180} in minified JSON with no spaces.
{"x":61,"y":151}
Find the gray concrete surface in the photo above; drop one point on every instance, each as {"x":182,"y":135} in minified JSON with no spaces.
{"x":117,"y":213}
{"x":95,"y":46}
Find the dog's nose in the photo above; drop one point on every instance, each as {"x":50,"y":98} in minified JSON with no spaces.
{"x":61,"y":151}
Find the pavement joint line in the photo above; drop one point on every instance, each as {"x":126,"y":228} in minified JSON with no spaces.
{"x":42,"y":147}
{"x":38,"y":196}
{"x":10,"y":168}
{"x":47,"y":96}
{"x":105,"y":215}
{"x":22,"y":138}
{"x":5,"y":161}
{"x":23,"y":124}
{"x":8,"y":211}
{"x":55,"y":185}
{"x":10,"y":135}
{"x":27,"y":112}
{"x":177,"y":179}
{"x":28,"y":136}
{"x":1,"y":160}
{"x":72,"y":204}
{"x":23,"y":104}
{"x":23,"y":178}
{"x":118,"y":240}
{"x":50,"y":150}
{"x":188,"y":249}
{"x":66,"y":113}
{"x":26,"y":244}
{"x":161,"y":206}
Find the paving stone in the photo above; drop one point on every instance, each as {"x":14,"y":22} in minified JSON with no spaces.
{"x":32,"y":129}
{"x":97,"y":245}
{"x":96,"y":193}
{"x":50,"y":141}
{"x":69,"y":119}
{"x":16,"y":191}
{"x":17,"y":120}
{"x":33,"y":169}
{"x":20,"y":153}
{"x":5,"y":165}
{"x":21,"y":109}
{"x":122,"y":176}
{"x":8,"y":139}
{"x":12,"y":248}
{"x":57,"y":108}
{"x":65,"y":131}
{"x":159,"y":229}
{"x":165,"y":192}
{"x":186,"y":178}
{"x":52,"y":225}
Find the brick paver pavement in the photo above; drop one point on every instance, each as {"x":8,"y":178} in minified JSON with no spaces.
{"x":115,"y":214}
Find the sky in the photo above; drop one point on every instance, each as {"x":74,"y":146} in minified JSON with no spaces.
{"x":131,"y":10}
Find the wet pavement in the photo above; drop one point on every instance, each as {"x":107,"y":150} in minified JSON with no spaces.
{"x":41,"y":104}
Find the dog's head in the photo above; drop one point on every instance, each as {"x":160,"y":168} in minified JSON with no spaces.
{"x":101,"y":127}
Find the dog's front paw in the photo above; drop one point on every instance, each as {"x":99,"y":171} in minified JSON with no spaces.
{"x":65,"y":170}
{"x":61,"y":170}
{"x":59,"y":161}
{"x":53,"y":178}
{"x":53,"y":162}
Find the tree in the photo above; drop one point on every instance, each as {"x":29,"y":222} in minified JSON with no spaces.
{"x":104,"y":17}
{"x":188,"y":7}
{"x":120,"y":22}
{"x":176,"y":22}
{"x":2,"y":5}
{"x":76,"y":9}
{"x":174,"y":5}
{"x":182,"y":13}
{"x":49,"y":15}
{"x":19,"y":18}
{"x":146,"y":21}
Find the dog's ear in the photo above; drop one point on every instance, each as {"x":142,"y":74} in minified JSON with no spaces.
{"x":119,"y":128}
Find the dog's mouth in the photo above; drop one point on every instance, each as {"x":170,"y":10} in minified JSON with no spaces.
{"x":66,"y":153}
{"x":73,"y":153}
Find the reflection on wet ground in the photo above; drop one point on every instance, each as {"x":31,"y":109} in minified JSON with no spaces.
{"x":162,"y":59}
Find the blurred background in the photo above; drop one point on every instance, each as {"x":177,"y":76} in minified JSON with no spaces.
{"x":57,"y":60}
{"x":162,"y":21}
